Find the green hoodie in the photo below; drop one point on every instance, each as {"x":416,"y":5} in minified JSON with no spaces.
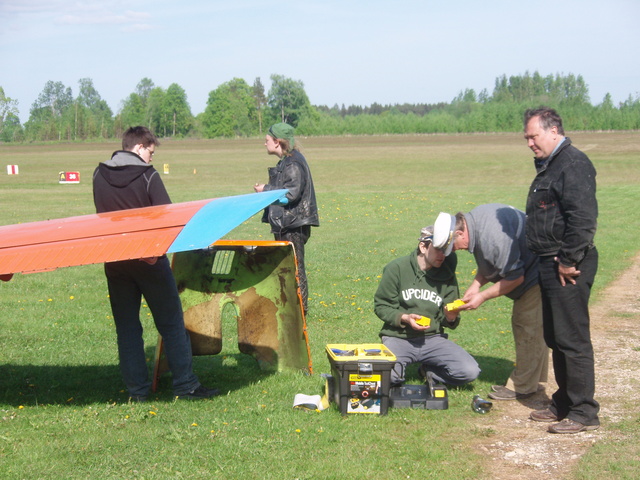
{"x":405,"y":288}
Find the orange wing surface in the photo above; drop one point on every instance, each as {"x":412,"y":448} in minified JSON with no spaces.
{"x":105,"y":237}
{"x":123,"y":235}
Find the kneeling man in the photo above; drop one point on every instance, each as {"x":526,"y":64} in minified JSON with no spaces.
{"x":411,"y":301}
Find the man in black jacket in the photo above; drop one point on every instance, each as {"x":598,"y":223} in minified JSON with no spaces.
{"x":561,"y":224}
{"x":127,"y":181}
{"x":291,"y":218}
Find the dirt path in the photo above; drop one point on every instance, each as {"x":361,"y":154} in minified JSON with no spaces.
{"x":522,"y":449}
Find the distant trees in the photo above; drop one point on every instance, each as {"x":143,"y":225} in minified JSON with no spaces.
{"x":92,"y":116}
{"x":231,"y":111}
{"x":165,"y":112}
{"x":10,"y":128}
{"x":287,"y":100}
{"x":237,"y":109}
{"x":260,"y":101}
{"x":499,"y":112}
{"x":535,"y":88}
{"x":176,"y":112}
{"x":133,"y":110}
{"x":49,"y":115}
{"x":57,"y":115}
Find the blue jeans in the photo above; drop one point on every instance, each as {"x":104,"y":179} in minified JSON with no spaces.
{"x":128,"y":281}
{"x":565,"y":312}
{"x":448,"y":361}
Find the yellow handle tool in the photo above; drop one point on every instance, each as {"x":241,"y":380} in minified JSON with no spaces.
{"x":455,"y":305}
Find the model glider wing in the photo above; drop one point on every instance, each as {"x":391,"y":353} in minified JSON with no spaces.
{"x":226,"y":211}
{"x":124,"y":234}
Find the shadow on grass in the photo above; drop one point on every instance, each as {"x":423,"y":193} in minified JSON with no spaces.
{"x":35,"y":384}
{"x":494,"y":371}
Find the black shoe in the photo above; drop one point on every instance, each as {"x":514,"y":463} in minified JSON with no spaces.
{"x":199,"y":393}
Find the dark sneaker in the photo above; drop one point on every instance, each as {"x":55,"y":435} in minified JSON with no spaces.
{"x":504,"y":393}
{"x":545,"y":415}
{"x":427,"y":376}
{"x":422,"y":373}
{"x":199,"y":393}
{"x":570,"y":426}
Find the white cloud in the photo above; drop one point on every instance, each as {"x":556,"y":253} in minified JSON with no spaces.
{"x":103,"y":18}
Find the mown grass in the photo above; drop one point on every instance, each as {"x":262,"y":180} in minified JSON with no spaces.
{"x":63,"y":408}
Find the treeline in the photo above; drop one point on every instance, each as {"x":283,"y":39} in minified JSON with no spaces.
{"x":237,"y":109}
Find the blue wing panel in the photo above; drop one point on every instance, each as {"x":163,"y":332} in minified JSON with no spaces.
{"x":219,"y":217}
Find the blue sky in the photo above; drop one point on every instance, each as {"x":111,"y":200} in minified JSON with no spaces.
{"x":345,"y":52}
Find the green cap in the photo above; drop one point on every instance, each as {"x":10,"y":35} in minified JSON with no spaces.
{"x":283,"y":131}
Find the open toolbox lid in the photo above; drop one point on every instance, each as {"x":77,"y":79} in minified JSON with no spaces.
{"x":342,"y":352}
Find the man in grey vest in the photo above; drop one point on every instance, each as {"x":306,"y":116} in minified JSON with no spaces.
{"x":495,"y":235}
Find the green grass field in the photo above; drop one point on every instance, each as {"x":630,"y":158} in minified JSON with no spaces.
{"x":64,"y":412}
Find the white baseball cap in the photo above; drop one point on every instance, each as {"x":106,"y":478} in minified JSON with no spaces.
{"x":443,"y":231}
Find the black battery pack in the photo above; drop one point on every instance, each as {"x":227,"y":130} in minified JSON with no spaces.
{"x":428,"y":397}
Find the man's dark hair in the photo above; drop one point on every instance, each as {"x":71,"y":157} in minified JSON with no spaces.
{"x":138,"y":135}
{"x":460,"y":220}
{"x":548,"y":118}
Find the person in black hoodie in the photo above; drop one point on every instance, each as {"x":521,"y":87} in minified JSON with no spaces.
{"x":127,"y":181}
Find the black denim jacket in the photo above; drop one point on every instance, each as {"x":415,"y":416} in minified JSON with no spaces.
{"x":561,"y":207}
{"x":292,"y":172}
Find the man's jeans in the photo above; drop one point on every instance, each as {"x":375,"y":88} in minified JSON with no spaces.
{"x":566,"y":331}
{"x":128,"y":281}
